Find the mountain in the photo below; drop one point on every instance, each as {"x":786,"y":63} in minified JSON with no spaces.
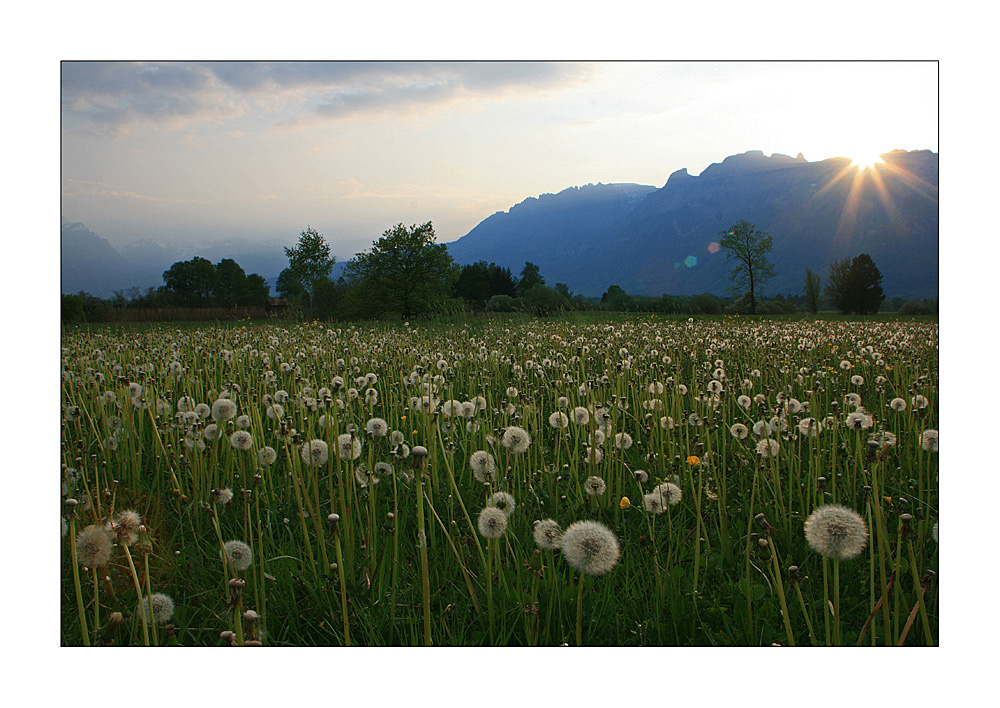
{"x":91,"y":264}
{"x":653,"y":241}
{"x":555,"y":231}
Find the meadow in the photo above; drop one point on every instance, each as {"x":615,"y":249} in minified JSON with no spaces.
{"x":625,"y":481}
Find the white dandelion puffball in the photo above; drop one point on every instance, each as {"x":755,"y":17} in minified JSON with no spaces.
{"x":547,"y":534}
{"x":590,"y":547}
{"x":834,"y":531}
{"x":239,"y":554}
{"x":515,"y":439}
{"x":492,"y":522}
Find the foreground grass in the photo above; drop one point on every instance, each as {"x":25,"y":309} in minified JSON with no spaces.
{"x":405,"y":562}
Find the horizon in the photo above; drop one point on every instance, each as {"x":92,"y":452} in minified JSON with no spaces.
{"x":184,"y":153}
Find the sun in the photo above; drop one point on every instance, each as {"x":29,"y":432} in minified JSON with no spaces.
{"x":867,"y":161}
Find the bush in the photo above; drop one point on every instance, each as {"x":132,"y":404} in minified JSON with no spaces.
{"x":501,"y":303}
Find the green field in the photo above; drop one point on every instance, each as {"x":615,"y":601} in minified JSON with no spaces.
{"x":700,"y":446}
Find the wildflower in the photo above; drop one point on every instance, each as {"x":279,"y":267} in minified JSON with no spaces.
{"x":492,"y":522}
{"x":897,"y":404}
{"x":810,"y":427}
{"x":623,"y":441}
{"x":559,"y":420}
{"x":275,"y":411}
{"x":590,"y":547}
{"x":124,"y":527}
{"x":595,"y":486}
{"x":239,"y":554}
{"x":834,"y":531}
{"x":93,"y":547}
{"x":581,"y":416}
{"x":315,"y":453}
{"x":203,"y":410}
{"x":502,"y":501}
{"x":739,"y":431}
{"x":547,"y":534}
{"x":162,"y":607}
{"x":858,"y":420}
{"x":884,"y":438}
{"x":744,"y":402}
{"x":515,"y":439}
{"x":377,"y":428}
{"x":625,"y":503}
{"x":484,"y":467}
{"x":929,"y":440}
{"x":241,"y":440}
{"x":243,"y":422}
{"x":693,"y":460}
{"x":768,"y":447}
{"x":668,"y":493}
{"x":348,"y":447}
{"x":267,"y":455}
{"x":857,"y":380}
{"x":223,"y":409}
{"x":364,"y":476}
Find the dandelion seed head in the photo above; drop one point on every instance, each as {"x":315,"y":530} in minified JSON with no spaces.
{"x":492,"y":522}
{"x":162,"y":608}
{"x":239,"y":554}
{"x":590,"y":547}
{"x":834,"y":531}
{"x":93,"y":547}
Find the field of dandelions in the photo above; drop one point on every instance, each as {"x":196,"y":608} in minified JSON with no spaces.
{"x":612,"y":482}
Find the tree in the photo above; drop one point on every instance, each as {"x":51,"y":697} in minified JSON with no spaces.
{"x":309,"y":263}
{"x":855,"y":286}
{"x":405,"y":271}
{"x":865,"y":284}
{"x":191,"y":282}
{"x":542,"y":300}
{"x":812,"y":289}
{"x":530,"y":277}
{"x":230,"y":280}
{"x":748,"y":249}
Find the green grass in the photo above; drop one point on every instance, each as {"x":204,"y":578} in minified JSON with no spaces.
{"x":699,"y":574}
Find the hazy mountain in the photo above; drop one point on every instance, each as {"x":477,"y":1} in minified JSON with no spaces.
{"x":558,"y":232}
{"x":91,"y":264}
{"x":652,"y":241}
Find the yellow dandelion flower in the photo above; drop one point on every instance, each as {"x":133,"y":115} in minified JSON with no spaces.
{"x":624,"y":503}
{"x":694,"y":460}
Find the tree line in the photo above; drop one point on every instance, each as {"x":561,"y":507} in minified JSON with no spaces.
{"x":407,"y":273}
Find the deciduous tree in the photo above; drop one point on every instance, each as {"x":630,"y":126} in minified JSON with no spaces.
{"x":405,"y":271}
{"x":747,"y":249}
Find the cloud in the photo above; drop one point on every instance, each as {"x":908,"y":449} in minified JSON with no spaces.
{"x":117,"y":97}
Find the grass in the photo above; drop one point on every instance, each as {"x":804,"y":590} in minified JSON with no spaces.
{"x":405,"y":564}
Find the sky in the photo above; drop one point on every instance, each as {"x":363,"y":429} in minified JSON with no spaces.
{"x":188,"y":152}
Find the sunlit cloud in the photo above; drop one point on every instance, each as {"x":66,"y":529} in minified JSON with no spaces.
{"x":114,"y":98}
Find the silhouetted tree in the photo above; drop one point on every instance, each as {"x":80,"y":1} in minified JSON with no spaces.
{"x":748,"y":249}
{"x":855,"y":286}
{"x":530,"y":277}
{"x":812,"y":290}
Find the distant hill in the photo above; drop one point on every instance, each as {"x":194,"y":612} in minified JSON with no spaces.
{"x":559,"y":232}
{"x":91,"y":264}
{"x":653,"y":241}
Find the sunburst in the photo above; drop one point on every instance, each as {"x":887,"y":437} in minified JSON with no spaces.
{"x":867,"y":161}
